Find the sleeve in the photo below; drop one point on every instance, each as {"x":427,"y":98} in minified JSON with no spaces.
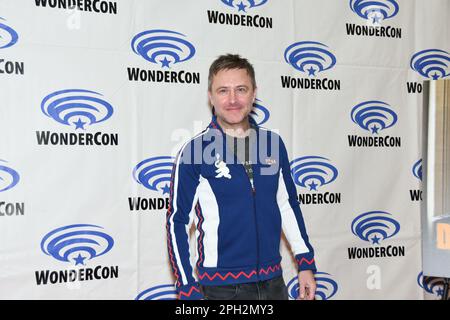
{"x":182,"y":201}
{"x":291,"y":216}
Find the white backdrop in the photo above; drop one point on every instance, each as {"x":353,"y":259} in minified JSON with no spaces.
{"x":69,"y":223}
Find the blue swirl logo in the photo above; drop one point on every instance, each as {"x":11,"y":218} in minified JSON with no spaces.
{"x":432,"y":63}
{"x":162,"y":47}
{"x":375,"y":226}
{"x":376,"y":10}
{"x":250,"y":4}
{"x":260,"y":113}
{"x":8,"y":36}
{"x":431,"y":285}
{"x":417,"y":170}
{"x":326,"y":287}
{"x":373,"y":116}
{"x":313,"y":172}
{"x":162,"y":292}
{"x":309,"y":56}
{"x":76,"y":107}
{"x":155,"y":173}
{"x":76,"y":243}
{"x":8,"y":177}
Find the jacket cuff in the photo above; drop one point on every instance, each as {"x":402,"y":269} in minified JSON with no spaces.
{"x":190,"y":292}
{"x":305,"y":261}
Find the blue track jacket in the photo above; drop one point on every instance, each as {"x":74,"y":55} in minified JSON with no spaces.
{"x":238,"y":221}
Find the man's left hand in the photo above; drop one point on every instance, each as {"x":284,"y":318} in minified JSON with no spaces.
{"x":307,"y":285}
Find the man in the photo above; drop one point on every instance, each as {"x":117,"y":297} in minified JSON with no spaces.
{"x":234,"y":179}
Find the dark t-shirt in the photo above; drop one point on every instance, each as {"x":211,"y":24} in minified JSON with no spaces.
{"x":241,"y":148}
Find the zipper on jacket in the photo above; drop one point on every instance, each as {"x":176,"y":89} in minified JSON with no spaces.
{"x":253,"y":191}
{"x":257,"y":233}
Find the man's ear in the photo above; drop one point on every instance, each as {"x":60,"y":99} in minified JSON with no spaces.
{"x":210,"y":104}
{"x":209,"y":98}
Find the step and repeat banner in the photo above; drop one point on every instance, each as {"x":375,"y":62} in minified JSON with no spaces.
{"x":97,"y":96}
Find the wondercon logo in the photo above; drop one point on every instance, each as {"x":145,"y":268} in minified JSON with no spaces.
{"x":155,"y":173}
{"x":76,"y":107}
{"x":326,"y":287}
{"x":373,"y":116}
{"x":309,"y":57}
{"x":313,"y":172}
{"x":431,"y":285}
{"x":375,"y":226}
{"x":162,"y":292}
{"x":375,"y":10}
{"x":8,"y":177}
{"x":8,"y":37}
{"x":162,"y":47}
{"x":417,"y":170}
{"x":259,"y":113}
{"x":242,"y":5}
{"x":431,"y":63}
{"x":76,"y":243}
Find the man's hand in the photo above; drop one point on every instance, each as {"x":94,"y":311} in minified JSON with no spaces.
{"x":307,"y":285}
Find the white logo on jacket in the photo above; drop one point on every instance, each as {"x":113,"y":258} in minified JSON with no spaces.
{"x":222,"y":169}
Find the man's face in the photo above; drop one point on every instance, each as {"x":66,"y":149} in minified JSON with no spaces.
{"x":232,"y":95}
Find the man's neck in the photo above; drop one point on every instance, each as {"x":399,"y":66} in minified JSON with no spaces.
{"x":240,"y":130}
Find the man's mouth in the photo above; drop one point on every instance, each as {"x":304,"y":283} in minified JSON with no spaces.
{"x":233,"y":108}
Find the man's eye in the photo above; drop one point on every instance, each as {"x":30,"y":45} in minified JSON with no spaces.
{"x":242,"y":90}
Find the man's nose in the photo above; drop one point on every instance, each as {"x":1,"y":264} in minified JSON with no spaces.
{"x":232,"y":96}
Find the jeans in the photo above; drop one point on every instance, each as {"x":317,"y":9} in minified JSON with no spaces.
{"x":273,"y":289}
